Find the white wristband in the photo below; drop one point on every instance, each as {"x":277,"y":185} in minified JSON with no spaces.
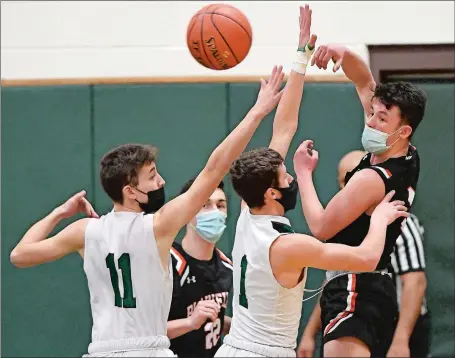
{"x":302,"y":59}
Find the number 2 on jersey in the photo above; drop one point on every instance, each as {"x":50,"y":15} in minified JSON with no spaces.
{"x":124,"y":263}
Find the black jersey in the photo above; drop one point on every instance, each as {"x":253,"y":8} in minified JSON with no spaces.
{"x":400,"y":174}
{"x":196,"y":280}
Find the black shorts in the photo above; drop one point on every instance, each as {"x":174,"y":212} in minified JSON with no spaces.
{"x":363,"y":306}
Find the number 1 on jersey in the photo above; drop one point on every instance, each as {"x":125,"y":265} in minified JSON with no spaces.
{"x":243,"y":301}
{"x":124,"y":263}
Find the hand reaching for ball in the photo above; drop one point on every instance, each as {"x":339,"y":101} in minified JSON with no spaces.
{"x":305,"y":28}
{"x":270,"y":93}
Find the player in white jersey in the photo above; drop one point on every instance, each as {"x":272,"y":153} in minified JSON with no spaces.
{"x":269,"y":259}
{"x":127,"y":251}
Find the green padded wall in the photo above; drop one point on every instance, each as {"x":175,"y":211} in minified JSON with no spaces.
{"x":45,"y":159}
{"x":54,"y":137}
{"x":434,"y":205}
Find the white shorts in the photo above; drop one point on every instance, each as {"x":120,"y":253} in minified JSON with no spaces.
{"x":236,"y":348}
{"x":133,"y":347}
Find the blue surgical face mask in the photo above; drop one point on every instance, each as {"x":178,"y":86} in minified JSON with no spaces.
{"x":375,"y":141}
{"x":210,"y":225}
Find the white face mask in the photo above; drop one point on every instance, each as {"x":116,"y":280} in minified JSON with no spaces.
{"x":375,"y":141}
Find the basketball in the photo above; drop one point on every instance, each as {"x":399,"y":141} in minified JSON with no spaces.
{"x":219,"y":36}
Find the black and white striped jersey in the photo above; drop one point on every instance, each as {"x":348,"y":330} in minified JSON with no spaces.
{"x":409,"y":254}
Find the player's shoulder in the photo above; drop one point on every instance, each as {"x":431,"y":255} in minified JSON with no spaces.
{"x":224,"y":258}
{"x":403,"y":168}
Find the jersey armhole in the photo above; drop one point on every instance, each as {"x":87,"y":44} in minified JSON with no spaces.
{"x":87,"y":236}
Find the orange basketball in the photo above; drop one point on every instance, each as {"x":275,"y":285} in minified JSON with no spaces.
{"x":219,"y":36}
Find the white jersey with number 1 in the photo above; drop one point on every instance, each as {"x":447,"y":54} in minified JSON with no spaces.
{"x":266,"y":316}
{"x":130,"y":292}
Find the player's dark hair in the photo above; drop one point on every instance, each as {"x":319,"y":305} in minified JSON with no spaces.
{"x":253,"y":173}
{"x":121,"y":166}
{"x":190,"y":182}
{"x":410,"y":99}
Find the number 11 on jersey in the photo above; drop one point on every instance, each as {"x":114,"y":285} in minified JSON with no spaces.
{"x":124,"y":263}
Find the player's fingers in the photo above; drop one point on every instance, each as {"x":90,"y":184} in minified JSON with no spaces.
{"x":401,"y":208}
{"x":397,"y":202}
{"x":304,"y":16}
{"x":279,"y":94}
{"x":79,"y":195}
{"x":402,"y":214}
{"x":214,"y":317}
{"x":312,"y":43}
{"x":206,"y":312}
{"x":93,"y":213}
{"x":209,"y":304}
{"x":389,"y":196}
{"x":337,"y":65}
{"x":273,"y":74}
{"x":326,"y":59}
{"x":321,"y":56}
{"x":308,"y":21}
{"x":86,"y":206}
{"x":315,"y":154}
{"x":305,"y":146}
{"x":276,"y":80}
{"x":263,"y":83}
{"x":315,"y":55}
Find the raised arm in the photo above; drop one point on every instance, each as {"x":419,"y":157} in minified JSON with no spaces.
{"x":298,"y":251}
{"x":353,"y":67}
{"x":179,"y":211}
{"x":35,"y":249}
{"x":287,"y":114}
{"x":365,"y":190}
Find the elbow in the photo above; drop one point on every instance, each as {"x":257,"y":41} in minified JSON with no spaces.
{"x":370,"y":262}
{"x":16,"y":259}
{"x":19,"y":260}
{"x":320,"y":234}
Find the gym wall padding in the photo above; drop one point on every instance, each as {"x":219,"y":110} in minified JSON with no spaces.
{"x":434,"y":205}
{"x":54,"y":137}
{"x":46,"y":146}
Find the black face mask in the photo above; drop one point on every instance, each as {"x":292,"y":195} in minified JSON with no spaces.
{"x":156,"y":200}
{"x":288,"y":196}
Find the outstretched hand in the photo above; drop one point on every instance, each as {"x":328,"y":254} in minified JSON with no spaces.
{"x":325,"y":53}
{"x":305,"y":28}
{"x":270,"y":94}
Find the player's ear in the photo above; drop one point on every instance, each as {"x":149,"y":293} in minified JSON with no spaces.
{"x":272,"y":194}
{"x":405,"y":131}
{"x":128,"y":192}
